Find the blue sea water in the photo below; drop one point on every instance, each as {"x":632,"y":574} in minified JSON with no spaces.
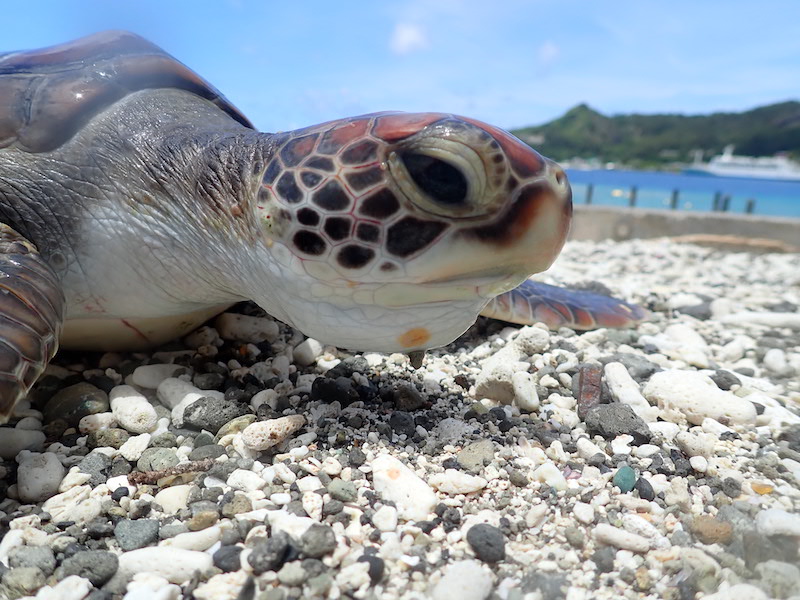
{"x":695,"y":192}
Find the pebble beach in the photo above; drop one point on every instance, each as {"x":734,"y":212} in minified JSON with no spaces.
{"x":247,"y":462}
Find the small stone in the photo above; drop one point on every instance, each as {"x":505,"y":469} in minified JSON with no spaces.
{"x":13,"y":441}
{"x":318,"y":540}
{"x":697,"y":397}
{"x":157,"y":459}
{"x":453,"y":481}
{"x":699,"y":463}
{"x":583,"y":512}
{"x":603,"y":559}
{"x":151,"y":376}
{"x":463,"y":580}
{"x":761,"y":489}
{"x":22,"y":581}
{"x":487,"y":542}
{"x":112,"y":437}
{"x":612,"y":420}
{"x":476,"y":455}
{"x":645,"y":489}
{"x":342,"y":490}
{"x":234,"y":426}
{"x":385,"y":518}
{"x":395,"y":482}
{"x":292,"y":574}
{"x":407,"y":397}
{"x":207,"y":451}
{"x":132,"y":410}
{"x":40,"y":556}
{"x":526,"y":396}
{"x":269,"y":554}
{"x":402,"y":423}
{"x":210,"y":414}
{"x":376,"y":567}
{"x":307,"y":351}
{"x":134,"y":534}
{"x":619,"y":538}
{"x":174,"y":564}
{"x":265,"y":434}
{"x":133,"y":449}
{"x":709,"y":530}
{"x":725,"y":380}
{"x":247,"y":481}
{"x":98,"y":566}
{"x":227,"y":558}
{"x":774,"y":521}
{"x":38,"y":476}
{"x":588,"y":389}
{"x":550,"y":474}
{"x":75,"y":402}
{"x":245,"y":328}
{"x":625,"y":479}
{"x":781,"y":579}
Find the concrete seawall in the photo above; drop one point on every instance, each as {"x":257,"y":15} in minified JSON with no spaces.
{"x":618,"y":223}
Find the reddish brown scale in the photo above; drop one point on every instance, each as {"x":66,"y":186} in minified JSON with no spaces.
{"x":588,"y":389}
{"x":342,"y":134}
{"x":395,"y":127}
{"x":525,"y":161}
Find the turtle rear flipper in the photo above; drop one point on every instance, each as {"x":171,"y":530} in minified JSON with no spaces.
{"x":535,"y":302}
{"x":31,"y":315}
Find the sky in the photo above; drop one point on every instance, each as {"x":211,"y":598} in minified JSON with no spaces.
{"x":508,"y":62}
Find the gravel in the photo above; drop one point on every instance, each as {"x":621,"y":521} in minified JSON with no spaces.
{"x":657,"y":462}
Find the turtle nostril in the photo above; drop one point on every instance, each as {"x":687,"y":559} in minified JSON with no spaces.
{"x":440,"y":180}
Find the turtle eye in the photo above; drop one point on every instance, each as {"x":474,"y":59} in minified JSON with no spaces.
{"x":440,"y":180}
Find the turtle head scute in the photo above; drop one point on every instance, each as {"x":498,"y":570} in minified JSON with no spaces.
{"x":391,"y":223}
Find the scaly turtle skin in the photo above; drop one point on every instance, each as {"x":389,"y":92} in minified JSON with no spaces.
{"x":136,"y":202}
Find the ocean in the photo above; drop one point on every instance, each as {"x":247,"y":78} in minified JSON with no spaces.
{"x":695,"y":192}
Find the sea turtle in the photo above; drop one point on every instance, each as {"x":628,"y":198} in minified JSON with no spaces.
{"x":136,"y":202}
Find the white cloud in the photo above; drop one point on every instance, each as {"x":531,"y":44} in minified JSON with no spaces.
{"x":547,"y":53}
{"x":407,"y":38}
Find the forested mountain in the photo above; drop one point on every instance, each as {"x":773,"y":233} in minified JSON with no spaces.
{"x":648,"y":140}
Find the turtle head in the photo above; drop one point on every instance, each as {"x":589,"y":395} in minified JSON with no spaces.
{"x":391,"y":231}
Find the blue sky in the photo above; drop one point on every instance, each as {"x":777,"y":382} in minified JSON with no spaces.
{"x":512,"y":62}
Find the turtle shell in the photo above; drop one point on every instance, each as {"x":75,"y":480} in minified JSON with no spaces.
{"x":47,"y":95}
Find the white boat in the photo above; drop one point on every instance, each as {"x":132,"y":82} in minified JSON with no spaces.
{"x":728,"y":164}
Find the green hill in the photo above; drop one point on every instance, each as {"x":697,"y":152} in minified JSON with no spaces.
{"x":658,"y":140}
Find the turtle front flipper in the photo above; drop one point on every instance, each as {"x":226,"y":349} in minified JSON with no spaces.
{"x":31,"y":314}
{"x":535,"y":302}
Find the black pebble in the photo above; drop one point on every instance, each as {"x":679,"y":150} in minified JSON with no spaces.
{"x":645,"y":490}
{"x":376,"y":567}
{"x":487,"y":542}
{"x":402,"y":423}
{"x":227,"y":558}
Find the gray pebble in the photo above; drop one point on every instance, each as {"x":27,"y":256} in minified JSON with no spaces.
{"x":21,"y":581}
{"x":41,"y":557}
{"x":156,"y":459}
{"x":611,"y":420}
{"x":172,"y":529}
{"x":269,"y":554}
{"x":318,"y":540}
{"x":207,"y":451}
{"x":98,"y":566}
{"x":407,"y":397}
{"x":95,"y":464}
{"x":550,"y":586}
{"x":212,"y":413}
{"x":292,"y":574}
{"x":603,"y":558}
{"x":342,"y":490}
{"x":132,"y":535}
{"x":476,"y":455}
{"x":638,"y":366}
{"x":725,"y":380}
{"x":227,"y":558}
{"x":164,"y":440}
